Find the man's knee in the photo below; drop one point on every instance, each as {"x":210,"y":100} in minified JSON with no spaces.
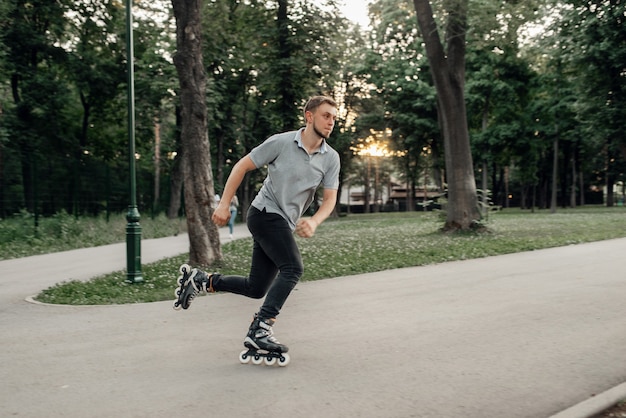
{"x":293,"y":271}
{"x":257,"y":293}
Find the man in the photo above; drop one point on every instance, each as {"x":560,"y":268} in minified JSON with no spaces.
{"x":298,"y":163}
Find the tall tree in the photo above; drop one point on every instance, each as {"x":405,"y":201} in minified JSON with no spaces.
{"x":398,"y":67}
{"x":38,"y":89}
{"x":594,"y":32}
{"x":448,"y":71}
{"x":497,"y":91}
{"x":196,"y":164}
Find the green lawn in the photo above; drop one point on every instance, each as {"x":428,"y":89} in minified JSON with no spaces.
{"x":367,"y":243}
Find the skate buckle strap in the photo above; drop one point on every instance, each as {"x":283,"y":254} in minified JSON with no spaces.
{"x":202,"y":286}
{"x":267,"y":331}
{"x":192,"y":280}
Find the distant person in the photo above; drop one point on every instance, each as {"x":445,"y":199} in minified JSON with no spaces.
{"x":234,"y":205}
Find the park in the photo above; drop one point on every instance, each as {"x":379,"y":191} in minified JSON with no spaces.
{"x":471,"y":265}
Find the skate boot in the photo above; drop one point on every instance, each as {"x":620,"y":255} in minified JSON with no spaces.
{"x":191,"y":283}
{"x":262,"y":346}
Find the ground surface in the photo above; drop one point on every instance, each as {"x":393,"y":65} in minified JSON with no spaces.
{"x":522,"y":335}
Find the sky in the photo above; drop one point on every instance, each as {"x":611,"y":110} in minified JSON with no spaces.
{"x":356,"y":10}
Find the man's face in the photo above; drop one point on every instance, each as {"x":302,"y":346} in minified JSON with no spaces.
{"x":323,"y":119}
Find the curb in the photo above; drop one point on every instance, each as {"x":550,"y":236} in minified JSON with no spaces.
{"x":31,"y":299}
{"x":596,"y":404}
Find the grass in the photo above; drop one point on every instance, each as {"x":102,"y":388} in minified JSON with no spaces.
{"x":368,"y":243}
{"x":20,"y":238}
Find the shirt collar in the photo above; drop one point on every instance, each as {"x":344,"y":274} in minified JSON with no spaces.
{"x":298,"y":139}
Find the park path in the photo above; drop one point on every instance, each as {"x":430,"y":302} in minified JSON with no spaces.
{"x":516,"y":336}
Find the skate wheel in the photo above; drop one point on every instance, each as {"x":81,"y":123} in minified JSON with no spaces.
{"x":177,"y":292}
{"x":185,"y":268}
{"x":180,"y":281}
{"x":270,"y":361}
{"x":284,"y":360}
{"x":244,"y":358}
{"x":176,"y":306}
{"x":257,"y":359}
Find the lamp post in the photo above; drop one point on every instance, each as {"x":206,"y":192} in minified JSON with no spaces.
{"x":133,"y":229}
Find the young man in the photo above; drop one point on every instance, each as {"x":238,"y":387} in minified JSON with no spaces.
{"x":298,"y":163}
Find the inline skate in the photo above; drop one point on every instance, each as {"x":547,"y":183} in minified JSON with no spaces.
{"x":262,"y":346}
{"x":191,"y":283}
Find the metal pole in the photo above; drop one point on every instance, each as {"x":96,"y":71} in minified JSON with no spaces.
{"x":133,"y":229}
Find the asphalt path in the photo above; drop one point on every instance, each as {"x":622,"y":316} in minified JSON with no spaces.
{"x":523,"y":335}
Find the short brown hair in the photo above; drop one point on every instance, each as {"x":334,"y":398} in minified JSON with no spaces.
{"x":316,"y":101}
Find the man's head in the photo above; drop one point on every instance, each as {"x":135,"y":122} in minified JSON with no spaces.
{"x":320,"y":112}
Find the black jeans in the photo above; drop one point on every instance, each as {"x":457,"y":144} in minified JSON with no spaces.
{"x":276,"y":264}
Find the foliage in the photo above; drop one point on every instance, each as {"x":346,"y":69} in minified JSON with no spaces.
{"x":498,"y":88}
{"x":401,"y":80}
{"x":368,"y":243}
{"x":262,"y":64}
{"x":63,"y":134}
{"x":593,"y":38}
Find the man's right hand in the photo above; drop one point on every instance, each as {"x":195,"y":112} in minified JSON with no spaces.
{"x":221,"y":215}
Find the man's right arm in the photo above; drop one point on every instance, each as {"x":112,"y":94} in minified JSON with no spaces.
{"x":222,"y":212}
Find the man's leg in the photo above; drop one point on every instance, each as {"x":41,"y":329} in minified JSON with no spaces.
{"x":275,"y":251}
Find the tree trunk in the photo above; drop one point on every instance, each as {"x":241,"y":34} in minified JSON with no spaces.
{"x":285,"y":88}
{"x":157,"y":165}
{"x":484,"y":187}
{"x":484,"y":125}
{"x":204,"y":243}
{"x":448,"y":71}
{"x":366,"y":188}
{"x":555,"y":174}
{"x":176,"y":175}
{"x":176,"y":188}
{"x":572,"y":196}
{"x":506,"y":187}
{"x":582,"y":188}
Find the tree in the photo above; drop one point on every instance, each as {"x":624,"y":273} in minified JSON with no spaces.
{"x":96,"y":68}
{"x":38,"y":88}
{"x":398,"y":67}
{"x":497,"y":92}
{"x":448,"y":71}
{"x":196,"y":164}
{"x":594,"y":33}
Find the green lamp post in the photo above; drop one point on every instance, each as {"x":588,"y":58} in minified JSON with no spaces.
{"x":133,"y":229}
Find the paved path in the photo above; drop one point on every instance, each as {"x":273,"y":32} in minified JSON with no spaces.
{"x":521,"y":335}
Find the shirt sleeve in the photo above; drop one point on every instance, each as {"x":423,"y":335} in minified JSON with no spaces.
{"x":331,"y":177}
{"x":266,"y":152}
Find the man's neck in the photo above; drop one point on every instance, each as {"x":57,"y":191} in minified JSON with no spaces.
{"x":310,"y":140}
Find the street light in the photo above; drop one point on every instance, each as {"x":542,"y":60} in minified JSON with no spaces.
{"x":133,"y":229}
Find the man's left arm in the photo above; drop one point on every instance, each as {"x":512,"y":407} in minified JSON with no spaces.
{"x":306,"y":227}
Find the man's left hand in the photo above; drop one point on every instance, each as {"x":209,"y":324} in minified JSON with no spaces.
{"x":306,"y":228}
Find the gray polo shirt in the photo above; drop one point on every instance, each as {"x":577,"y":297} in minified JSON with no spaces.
{"x":293,"y":175}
